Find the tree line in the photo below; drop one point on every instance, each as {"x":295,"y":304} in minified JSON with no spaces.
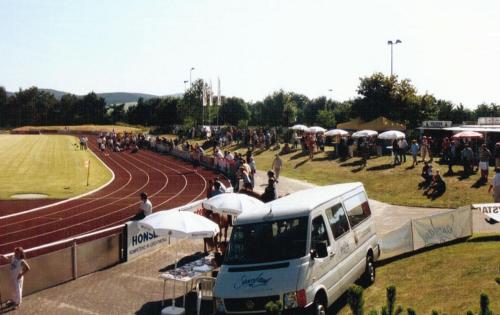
{"x":377,"y":95}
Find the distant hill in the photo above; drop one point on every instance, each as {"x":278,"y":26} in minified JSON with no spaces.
{"x":124,"y":97}
{"x":113,"y":97}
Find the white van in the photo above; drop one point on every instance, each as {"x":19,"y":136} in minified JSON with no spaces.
{"x":305,"y":250}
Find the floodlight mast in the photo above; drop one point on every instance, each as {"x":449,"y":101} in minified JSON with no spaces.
{"x":390,"y":42}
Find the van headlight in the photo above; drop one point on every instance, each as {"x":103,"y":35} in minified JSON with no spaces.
{"x":290,"y":300}
{"x":219,"y":305}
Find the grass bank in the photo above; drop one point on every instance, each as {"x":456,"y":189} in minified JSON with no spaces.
{"x":449,"y":279}
{"x":47,"y":164}
{"x":391,"y":184}
{"x":83,"y":128}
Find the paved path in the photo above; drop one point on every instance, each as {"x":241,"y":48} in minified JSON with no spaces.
{"x":133,"y":287}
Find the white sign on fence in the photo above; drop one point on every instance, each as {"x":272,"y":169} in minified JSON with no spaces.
{"x":397,"y":242}
{"x":441,"y":228}
{"x":140,"y":241}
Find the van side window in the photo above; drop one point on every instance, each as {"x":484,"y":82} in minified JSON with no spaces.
{"x":318,"y":231}
{"x":358,"y":209}
{"x":338,"y":220}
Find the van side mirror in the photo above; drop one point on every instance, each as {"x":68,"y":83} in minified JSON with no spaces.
{"x":320,"y":249}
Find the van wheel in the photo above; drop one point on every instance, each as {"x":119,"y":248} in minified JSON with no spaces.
{"x":319,"y":305}
{"x":369,"y":274}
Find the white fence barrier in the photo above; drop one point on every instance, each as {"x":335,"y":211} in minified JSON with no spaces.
{"x":141,"y":241}
{"x":441,"y":228}
{"x":427,"y":231}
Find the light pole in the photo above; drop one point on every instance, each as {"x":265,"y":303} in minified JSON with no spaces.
{"x":185,"y":86}
{"x":331,"y":95}
{"x":392,"y":44}
{"x":190,"y":73}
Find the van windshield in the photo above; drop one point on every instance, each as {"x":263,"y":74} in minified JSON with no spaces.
{"x":267,"y":241}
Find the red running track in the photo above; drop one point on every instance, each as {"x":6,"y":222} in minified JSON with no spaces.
{"x":168,"y":182}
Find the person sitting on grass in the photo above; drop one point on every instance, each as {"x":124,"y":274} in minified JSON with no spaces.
{"x":426,"y":174}
{"x":437,"y":186}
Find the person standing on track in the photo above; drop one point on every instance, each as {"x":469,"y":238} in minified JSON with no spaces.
{"x":18,"y":268}
{"x":145,"y":207}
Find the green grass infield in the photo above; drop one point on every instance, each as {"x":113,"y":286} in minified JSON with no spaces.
{"x":47,"y":164}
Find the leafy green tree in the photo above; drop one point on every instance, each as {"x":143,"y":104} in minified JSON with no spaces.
{"x":167,"y":112}
{"x":233,"y":110}
{"x":290,"y":113}
{"x":326,"y":118}
{"x":3,"y":107}
{"x":272,"y":109}
{"x":378,"y":97}
{"x":301,"y":101}
{"x":311,"y":112}
{"x":117,"y":113}
{"x":342,"y":111}
{"x":191,"y":105}
{"x":487,"y":110}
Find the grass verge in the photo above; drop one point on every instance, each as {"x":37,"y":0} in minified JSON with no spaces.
{"x":449,"y":279}
{"x":47,"y":164}
{"x":384,"y":182}
{"x":83,"y":128}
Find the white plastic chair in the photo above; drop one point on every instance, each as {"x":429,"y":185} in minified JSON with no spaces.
{"x":204,"y":291}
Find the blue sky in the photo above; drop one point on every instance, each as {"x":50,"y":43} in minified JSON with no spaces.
{"x":450,"y":48}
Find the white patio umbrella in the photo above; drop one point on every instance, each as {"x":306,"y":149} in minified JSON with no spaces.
{"x":316,"y":129}
{"x":232,"y":203}
{"x":300,"y":127}
{"x":179,"y":224}
{"x":336,"y":132}
{"x":391,"y":135}
{"x":364,"y":133}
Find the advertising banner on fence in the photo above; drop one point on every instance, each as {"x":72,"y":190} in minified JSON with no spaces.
{"x":140,"y":241}
{"x":441,"y":228}
{"x":397,"y":242}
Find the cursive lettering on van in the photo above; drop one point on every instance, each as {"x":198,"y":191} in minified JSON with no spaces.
{"x":256,"y":282}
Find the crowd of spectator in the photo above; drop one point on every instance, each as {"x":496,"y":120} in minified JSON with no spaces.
{"x":119,"y":142}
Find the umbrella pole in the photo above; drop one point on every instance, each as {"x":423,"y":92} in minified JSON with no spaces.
{"x":175,"y":269}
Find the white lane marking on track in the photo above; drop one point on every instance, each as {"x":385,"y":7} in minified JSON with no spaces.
{"x":78,"y":206}
{"x":171,"y":162}
{"x":91,"y":200}
{"x":110,"y":213}
{"x":66,"y":200}
{"x":84,"y":222}
{"x":156,"y":160}
{"x":121,"y":221}
{"x":161,"y":161}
